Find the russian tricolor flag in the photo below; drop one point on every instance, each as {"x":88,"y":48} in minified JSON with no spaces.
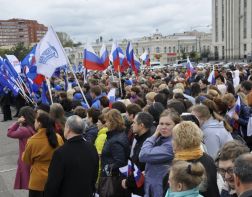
{"x":132,"y":59}
{"x":189,"y":68}
{"x":115,"y":57}
{"x":146,"y":58}
{"x":92,"y":61}
{"x":132,"y":168}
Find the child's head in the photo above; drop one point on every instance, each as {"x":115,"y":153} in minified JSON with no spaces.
{"x":185,"y":175}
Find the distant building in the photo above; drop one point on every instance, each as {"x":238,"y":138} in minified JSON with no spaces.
{"x":13,"y":31}
{"x":232,"y":28}
{"x":165,"y":49}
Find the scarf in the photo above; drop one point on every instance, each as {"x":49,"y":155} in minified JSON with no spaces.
{"x":190,"y":154}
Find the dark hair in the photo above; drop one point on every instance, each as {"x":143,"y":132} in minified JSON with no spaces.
{"x":247,"y":85}
{"x":133,"y":109}
{"x":177,"y":105}
{"x":96,"y":90}
{"x":161,"y":98}
{"x":29,"y":115}
{"x":80,"y":111}
{"x":48,"y":123}
{"x":231,"y":150}
{"x":43,"y":107}
{"x":204,"y":81}
{"x":167,"y":92}
{"x":104,"y":101}
{"x":66,"y":104}
{"x":120,"y":106}
{"x":145,"y":118}
{"x":230,"y":88}
{"x":195,"y":90}
{"x":243,"y":168}
{"x":94,"y":114}
{"x":135,"y":89}
{"x":190,"y":117}
{"x":140,"y":102}
{"x":155,"y":110}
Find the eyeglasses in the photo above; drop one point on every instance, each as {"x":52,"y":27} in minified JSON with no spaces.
{"x":229,"y":171}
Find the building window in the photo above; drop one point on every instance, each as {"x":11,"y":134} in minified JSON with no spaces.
{"x":223,"y":52}
{"x":193,"y":48}
{"x":245,"y":47}
{"x":157,"y":50}
{"x":148,"y":50}
{"x":174,"y":49}
{"x":165,"y":49}
{"x":169,"y":49}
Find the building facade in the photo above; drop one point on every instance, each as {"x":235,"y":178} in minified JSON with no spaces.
{"x":163,"y":49}
{"x":14,"y":31}
{"x":232,"y":29}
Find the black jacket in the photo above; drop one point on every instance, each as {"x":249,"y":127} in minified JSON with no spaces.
{"x":130,"y":181}
{"x":91,"y":133}
{"x":73,"y":170}
{"x":211,"y":172}
{"x":210,"y":188}
{"x":115,"y":152}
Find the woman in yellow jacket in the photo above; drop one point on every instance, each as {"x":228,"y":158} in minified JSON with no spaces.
{"x":101,"y":137}
{"x":38,"y":153}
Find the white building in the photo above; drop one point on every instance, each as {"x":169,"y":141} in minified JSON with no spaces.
{"x":232,"y":28}
{"x":166,"y":49}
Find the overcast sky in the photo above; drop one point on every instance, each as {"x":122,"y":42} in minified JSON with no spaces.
{"x":86,"y":20}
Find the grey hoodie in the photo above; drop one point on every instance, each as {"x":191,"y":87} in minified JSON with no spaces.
{"x":214,"y":136}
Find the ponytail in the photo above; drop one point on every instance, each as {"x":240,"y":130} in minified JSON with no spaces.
{"x":48,"y":123}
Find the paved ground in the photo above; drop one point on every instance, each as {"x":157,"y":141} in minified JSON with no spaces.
{"x":8,"y":160}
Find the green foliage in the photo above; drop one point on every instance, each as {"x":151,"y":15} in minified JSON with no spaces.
{"x":20,"y":51}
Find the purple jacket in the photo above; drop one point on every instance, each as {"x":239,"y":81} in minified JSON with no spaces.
{"x":23,"y":171}
{"x":157,"y":153}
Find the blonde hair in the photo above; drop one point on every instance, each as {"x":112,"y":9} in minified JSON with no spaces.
{"x":187,"y":135}
{"x":150,"y":96}
{"x":187,"y":173}
{"x":115,"y":120}
{"x":213,"y":93}
{"x":162,"y":86}
{"x":228,"y":98}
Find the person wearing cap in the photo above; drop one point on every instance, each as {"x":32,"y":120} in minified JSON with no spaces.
{"x":74,"y":167}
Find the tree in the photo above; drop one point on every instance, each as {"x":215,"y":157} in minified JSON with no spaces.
{"x":20,"y":51}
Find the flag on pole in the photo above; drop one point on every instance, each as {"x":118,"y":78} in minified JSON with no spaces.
{"x":29,"y":59}
{"x":189,"y":68}
{"x":14,"y":64}
{"x":146,"y":58}
{"x":132,"y":59}
{"x":49,"y":54}
{"x":123,"y":60}
{"x":92,"y":61}
{"x":115,"y":57}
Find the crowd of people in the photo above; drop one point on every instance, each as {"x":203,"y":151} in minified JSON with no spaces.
{"x":177,"y":135}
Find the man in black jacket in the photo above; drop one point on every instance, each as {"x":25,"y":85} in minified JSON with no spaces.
{"x":74,"y":167}
{"x":141,"y":126}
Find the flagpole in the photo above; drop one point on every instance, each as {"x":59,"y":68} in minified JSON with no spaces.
{"x":49,"y":89}
{"x":120,"y":82}
{"x":71,"y":67}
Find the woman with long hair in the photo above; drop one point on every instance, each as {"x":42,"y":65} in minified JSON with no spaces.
{"x":57,"y":113}
{"x":157,"y":153}
{"x":38,"y":152}
{"x":22,"y":129}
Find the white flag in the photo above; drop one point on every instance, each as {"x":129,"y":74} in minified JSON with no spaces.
{"x":49,"y":54}
{"x":14,"y":62}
